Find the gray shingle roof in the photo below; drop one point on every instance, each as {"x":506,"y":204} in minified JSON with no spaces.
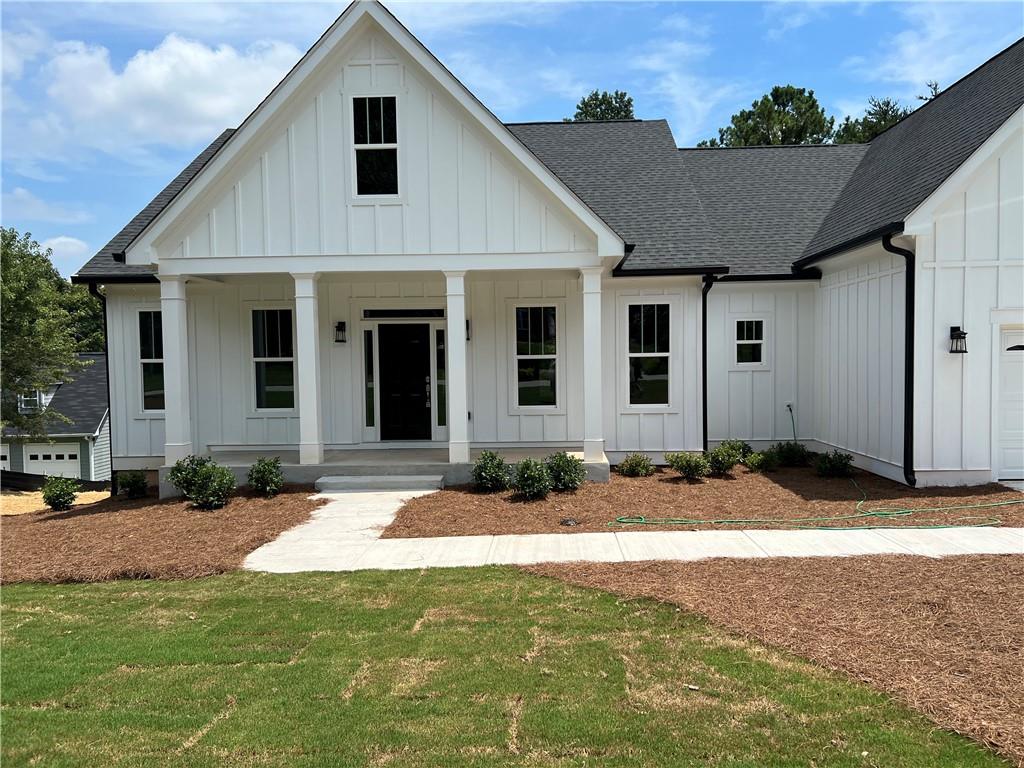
{"x":83,"y":400}
{"x":104,"y":265}
{"x":628,"y":173}
{"x":908,"y":162}
{"x":766,"y":203}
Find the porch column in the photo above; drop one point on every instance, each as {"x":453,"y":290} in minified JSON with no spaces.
{"x":177,"y":414}
{"x":458,"y":404}
{"x":307,"y":369}
{"x":593,"y":433}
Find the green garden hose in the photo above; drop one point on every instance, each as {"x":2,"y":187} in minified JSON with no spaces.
{"x":820,"y":523}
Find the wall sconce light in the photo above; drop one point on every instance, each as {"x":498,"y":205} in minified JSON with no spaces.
{"x":957,"y":340}
{"x":340,"y":332}
{"x":468,"y":334}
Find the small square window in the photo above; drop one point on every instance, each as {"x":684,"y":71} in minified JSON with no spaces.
{"x":59,"y":457}
{"x":749,"y":342}
{"x":47,"y":457}
{"x":72,"y":456}
{"x":33,"y":457}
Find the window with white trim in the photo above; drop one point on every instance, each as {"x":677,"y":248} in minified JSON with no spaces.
{"x":273,"y":359}
{"x":30,"y":403}
{"x":151,"y":360}
{"x":649,"y":338}
{"x":536,"y":356}
{"x":375,"y":136}
{"x":750,"y":342}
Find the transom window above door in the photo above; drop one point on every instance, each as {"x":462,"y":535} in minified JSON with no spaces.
{"x":649,"y":336}
{"x":536,"y":355}
{"x":375,"y":137}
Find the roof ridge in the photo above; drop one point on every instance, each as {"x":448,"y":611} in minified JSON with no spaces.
{"x":777,"y":146}
{"x":584,"y":122}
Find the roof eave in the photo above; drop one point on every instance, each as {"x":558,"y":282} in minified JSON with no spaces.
{"x":710,"y":269}
{"x":893,"y":228}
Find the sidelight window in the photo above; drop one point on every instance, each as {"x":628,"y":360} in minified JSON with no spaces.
{"x":273,"y":358}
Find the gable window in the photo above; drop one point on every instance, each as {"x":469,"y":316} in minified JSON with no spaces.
{"x":536,"y":356}
{"x":273,"y":358}
{"x":151,"y":360}
{"x":648,"y":353}
{"x":750,"y":342}
{"x":375,"y":136}
{"x":29,"y":403}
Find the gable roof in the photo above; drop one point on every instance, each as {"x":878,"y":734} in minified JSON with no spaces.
{"x":907,"y":163}
{"x":83,"y":400}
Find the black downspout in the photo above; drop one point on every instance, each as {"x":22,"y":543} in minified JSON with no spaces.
{"x":106,"y":361}
{"x":908,"y":359}
{"x":708,"y":280}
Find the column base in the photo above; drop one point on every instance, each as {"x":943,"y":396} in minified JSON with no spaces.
{"x":174,"y":452}
{"x":593,"y":450}
{"x":311,"y":453}
{"x":458,"y":452}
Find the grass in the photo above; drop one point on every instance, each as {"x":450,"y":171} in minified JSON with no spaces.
{"x":472,"y":667}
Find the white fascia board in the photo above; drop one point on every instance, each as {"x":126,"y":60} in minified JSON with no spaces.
{"x":919,"y":221}
{"x":141,"y":251}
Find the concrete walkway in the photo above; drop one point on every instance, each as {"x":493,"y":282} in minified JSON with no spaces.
{"x":344,"y":535}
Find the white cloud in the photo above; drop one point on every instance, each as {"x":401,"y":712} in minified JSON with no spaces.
{"x":21,"y":205}
{"x":785,"y":16}
{"x":69,"y":253}
{"x":20,"y":48}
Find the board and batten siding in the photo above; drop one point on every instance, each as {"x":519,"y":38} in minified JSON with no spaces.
{"x":293,"y":193}
{"x":100,"y":452}
{"x":748,"y":402}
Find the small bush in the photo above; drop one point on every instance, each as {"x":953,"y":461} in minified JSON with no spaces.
{"x":762,"y":461}
{"x":184,"y":475}
{"x":738,"y":447}
{"x":791,"y":454}
{"x":265,"y":476}
{"x":567,"y":472}
{"x":59,"y":492}
{"x":722,"y":459}
{"x":213,"y":486}
{"x":491,"y":473}
{"x":132,"y":483}
{"x":533,"y":481}
{"x":636,"y":465}
{"x":692,"y":466}
{"x":834,"y":464}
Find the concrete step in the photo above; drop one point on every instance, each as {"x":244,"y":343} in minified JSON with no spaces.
{"x":380,"y":482}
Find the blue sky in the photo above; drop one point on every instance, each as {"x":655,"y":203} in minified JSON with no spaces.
{"x":103,"y":103}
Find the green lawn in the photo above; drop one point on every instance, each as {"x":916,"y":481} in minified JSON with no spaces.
{"x":467,"y":667}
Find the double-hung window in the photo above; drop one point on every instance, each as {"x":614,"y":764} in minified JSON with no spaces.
{"x":151,"y":360}
{"x":29,"y":403}
{"x":375,"y":136}
{"x":649,"y":332}
{"x":536,"y":357}
{"x":273,"y":358}
{"x":750,"y":342}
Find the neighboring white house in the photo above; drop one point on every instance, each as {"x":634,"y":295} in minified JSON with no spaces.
{"x":373,"y":261}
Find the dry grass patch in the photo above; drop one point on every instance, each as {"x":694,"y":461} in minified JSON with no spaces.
{"x":21,"y":502}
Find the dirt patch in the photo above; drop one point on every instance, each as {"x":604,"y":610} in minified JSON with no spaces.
{"x":21,"y":502}
{"x":943,"y":636}
{"x":783,"y":495}
{"x":145,"y":538}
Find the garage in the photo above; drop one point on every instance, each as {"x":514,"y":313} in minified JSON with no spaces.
{"x":1010,"y":425}
{"x":53,"y":459}
{"x":5,"y":457}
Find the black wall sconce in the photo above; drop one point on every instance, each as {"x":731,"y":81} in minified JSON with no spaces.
{"x":468,"y":334}
{"x":340,"y":332}
{"x":957,"y":340}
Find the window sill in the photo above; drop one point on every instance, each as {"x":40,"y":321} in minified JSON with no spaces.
{"x":536,"y":410}
{"x":652,"y":409}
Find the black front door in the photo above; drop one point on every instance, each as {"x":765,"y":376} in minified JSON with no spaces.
{"x":404,"y":353}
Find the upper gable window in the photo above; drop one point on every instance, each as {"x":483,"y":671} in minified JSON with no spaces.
{"x":375,"y":135}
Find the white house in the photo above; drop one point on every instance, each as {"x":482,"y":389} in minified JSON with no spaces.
{"x":373,"y":269}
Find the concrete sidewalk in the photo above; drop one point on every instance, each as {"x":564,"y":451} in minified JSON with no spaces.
{"x":344,"y":535}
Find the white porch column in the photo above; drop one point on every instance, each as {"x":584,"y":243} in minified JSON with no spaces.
{"x":458,"y":403}
{"x":593,"y":432}
{"x":307,"y":369}
{"x":177,"y":414}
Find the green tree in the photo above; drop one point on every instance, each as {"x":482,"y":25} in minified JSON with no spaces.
{"x":933,"y":91}
{"x":86,"y":317}
{"x":786,"y":115}
{"x":880,"y":115}
{"x":37,"y":339}
{"x":601,"y":105}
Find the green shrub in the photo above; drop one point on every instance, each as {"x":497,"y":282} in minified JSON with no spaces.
{"x":491,"y":473}
{"x":636,"y":465}
{"x":184,"y":474}
{"x":692,"y":466}
{"x":265,"y":476}
{"x":533,"y":481}
{"x":567,"y":472}
{"x":132,"y":483}
{"x":762,"y":461}
{"x":722,"y":459}
{"x":213,"y":486}
{"x":791,"y":454}
{"x":738,"y":447}
{"x":834,"y":464}
{"x":59,"y":492}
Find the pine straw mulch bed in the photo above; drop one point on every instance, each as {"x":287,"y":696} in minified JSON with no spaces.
{"x":145,"y":538}
{"x":944,"y":636}
{"x":787,"y":493}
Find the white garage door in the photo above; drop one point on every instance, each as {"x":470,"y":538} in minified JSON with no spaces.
{"x":1010,"y":437}
{"x":5,"y":457}
{"x":53,"y":459}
